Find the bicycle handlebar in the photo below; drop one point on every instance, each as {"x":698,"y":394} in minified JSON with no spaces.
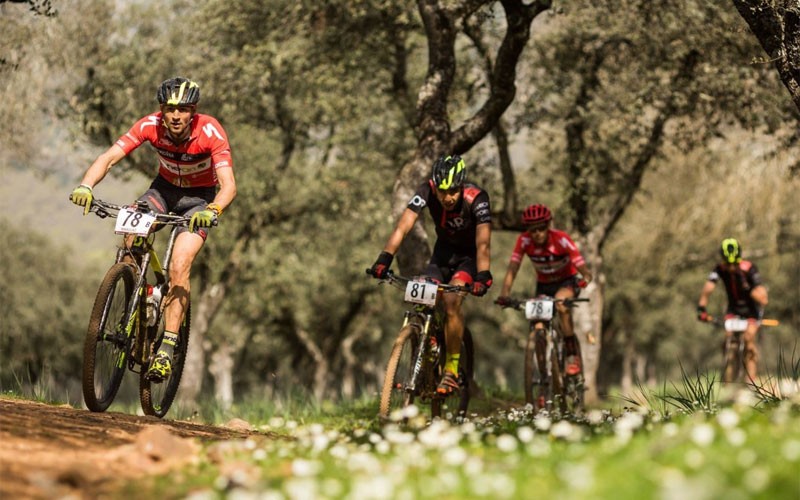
{"x":393,"y":278}
{"x":519,"y":304}
{"x":105,"y":209}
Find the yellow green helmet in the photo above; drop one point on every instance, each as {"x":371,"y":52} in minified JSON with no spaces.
{"x":449,"y":172}
{"x":731,"y":251}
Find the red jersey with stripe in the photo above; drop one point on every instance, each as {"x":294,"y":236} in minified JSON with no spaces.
{"x":554,"y":261}
{"x":194,"y":162}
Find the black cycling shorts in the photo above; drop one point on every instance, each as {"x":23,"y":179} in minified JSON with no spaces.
{"x":163,"y":197}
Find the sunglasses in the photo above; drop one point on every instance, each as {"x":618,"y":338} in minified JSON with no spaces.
{"x":537,"y":229}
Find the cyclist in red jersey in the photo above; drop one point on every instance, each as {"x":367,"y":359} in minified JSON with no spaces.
{"x":195,"y":178}
{"x":557,"y":262}
{"x":747,"y":296}
{"x":462,"y":216}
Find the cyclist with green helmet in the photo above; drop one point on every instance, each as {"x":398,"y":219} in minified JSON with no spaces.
{"x":461,"y":214}
{"x":195,"y":179}
{"x":747,"y":296}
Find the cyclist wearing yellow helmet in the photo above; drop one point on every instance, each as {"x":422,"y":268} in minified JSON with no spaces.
{"x":461,"y":213}
{"x":195,"y":178}
{"x":747,"y":295}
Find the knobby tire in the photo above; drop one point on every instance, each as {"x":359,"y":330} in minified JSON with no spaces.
{"x":537,"y":387}
{"x":105,"y":348}
{"x":156,"y":398}
{"x":399,"y":370}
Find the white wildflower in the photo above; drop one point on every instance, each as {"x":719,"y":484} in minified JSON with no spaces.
{"x":304,"y":468}
{"x":595,"y":417}
{"x":542,"y":423}
{"x":736,"y":437}
{"x":728,"y":418}
{"x":562,"y":429}
{"x":454,"y":456}
{"x":507,"y":443}
{"x":525,"y":434}
{"x":703,"y":434}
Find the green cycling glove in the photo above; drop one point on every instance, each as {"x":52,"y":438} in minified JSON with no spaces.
{"x":82,"y":196}
{"x":203,"y":218}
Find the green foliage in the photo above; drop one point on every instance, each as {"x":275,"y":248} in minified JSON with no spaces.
{"x":44,"y":303}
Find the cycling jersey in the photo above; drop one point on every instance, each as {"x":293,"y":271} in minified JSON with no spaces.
{"x":455,"y":228}
{"x":555,"y":261}
{"x":738,"y":285}
{"x":192,"y":163}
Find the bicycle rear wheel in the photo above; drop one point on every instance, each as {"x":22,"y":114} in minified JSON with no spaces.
{"x":395,"y":393}
{"x":156,"y":398}
{"x":574,"y":388}
{"x":106,"y":345}
{"x":557,"y":387}
{"x":457,"y":403}
{"x":733,"y":359}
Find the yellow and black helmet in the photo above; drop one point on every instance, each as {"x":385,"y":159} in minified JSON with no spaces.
{"x":731,"y":251}
{"x":178,"y":91}
{"x":449,"y":172}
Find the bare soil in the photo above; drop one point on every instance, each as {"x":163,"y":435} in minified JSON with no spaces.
{"x":59,"y":451}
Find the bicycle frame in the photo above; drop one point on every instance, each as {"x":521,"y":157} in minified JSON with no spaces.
{"x":425,"y":316}
{"x":149,"y":260}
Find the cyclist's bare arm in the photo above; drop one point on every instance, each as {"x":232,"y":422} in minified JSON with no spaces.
{"x":98,"y":170}
{"x":706,"y":293}
{"x":483,"y":238}
{"x":227,"y":188}
{"x":508,"y":281}
{"x":759,"y":294}
{"x":585,"y":272}
{"x":402,"y":228}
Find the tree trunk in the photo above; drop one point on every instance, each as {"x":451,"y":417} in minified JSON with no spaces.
{"x":221,"y":368}
{"x":588,"y":318}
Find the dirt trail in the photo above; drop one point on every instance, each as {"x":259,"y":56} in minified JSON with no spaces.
{"x":57,"y":451}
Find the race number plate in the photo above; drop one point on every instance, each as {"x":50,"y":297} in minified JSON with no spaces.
{"x":419,"y":292}
{"x":132,"y":222}
{"x":736,"y":324}
{"x":539,"y":309}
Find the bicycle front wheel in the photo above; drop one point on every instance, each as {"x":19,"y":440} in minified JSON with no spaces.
{"x":734,"y":359}
{"x":157,"y":397}
{"x":106,"y":345}
{"x":537,"y":390}
{"x":396,"y":392}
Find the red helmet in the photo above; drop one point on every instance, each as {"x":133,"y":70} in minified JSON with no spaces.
{"x":535,"y":214}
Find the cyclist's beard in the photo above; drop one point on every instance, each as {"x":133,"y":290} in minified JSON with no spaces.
{"x":178,"y":137}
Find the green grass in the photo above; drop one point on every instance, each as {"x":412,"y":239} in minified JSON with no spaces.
{"x":690,"y":443}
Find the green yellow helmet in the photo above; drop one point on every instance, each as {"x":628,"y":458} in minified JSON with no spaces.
{"x":731,"y":251}
{"x":449,"y":172}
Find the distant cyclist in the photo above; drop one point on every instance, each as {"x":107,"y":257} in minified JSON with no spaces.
{"x":461,"y":255}
{"x":557,"y":262}
{"x":747,"y":296}
{"x":194,"y":158}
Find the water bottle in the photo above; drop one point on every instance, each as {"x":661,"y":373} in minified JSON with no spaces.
{"x":152,"y":304}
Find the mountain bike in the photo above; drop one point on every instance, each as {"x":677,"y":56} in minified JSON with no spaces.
{"x":127,"y":324}
{"x":546,"y":382}
{"x":734,"y":346}
{"x":416,"y":363}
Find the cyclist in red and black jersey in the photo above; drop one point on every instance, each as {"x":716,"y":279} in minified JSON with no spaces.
{"x":557,"y":262}
{"x":195,"y":178}
{"x":461,"y":254}
{"x":747,"y":296}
